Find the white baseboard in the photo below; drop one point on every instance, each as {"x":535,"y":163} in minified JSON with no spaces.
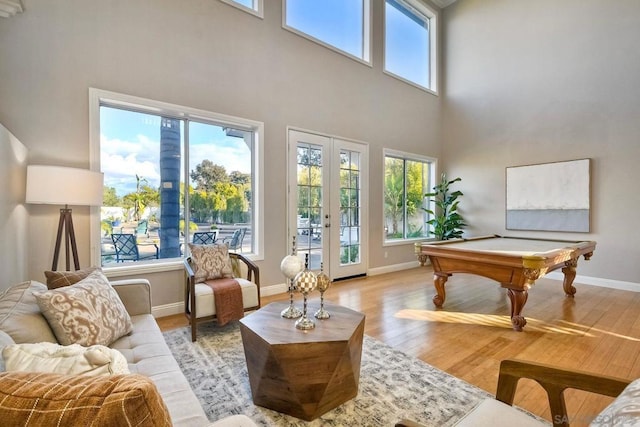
{"x":392,"y":268}
{"x":167,"y":309}
{"x":596,"y":281}
{"x":281,"y":288}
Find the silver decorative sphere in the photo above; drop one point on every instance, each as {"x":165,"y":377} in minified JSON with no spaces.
{"x":291,"y":265}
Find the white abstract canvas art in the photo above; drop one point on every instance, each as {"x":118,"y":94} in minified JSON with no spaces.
{"x":549,"y":196}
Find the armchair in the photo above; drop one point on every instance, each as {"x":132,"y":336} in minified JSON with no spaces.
{"x":199,"y":301}
{"x":499,"y":412}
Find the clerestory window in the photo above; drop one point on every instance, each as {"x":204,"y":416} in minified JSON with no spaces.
{"x":410,"y":42}
{"x":254,"y":7}
{"x":341,"y":25}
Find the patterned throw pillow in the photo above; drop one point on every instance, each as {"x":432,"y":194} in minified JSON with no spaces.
{"x":87,"y":313}
{"x":58,"y":279}
{"x":41,"y":399}
{"x":210,"y":262}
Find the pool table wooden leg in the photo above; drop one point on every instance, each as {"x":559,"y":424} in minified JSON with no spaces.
{"x":518,"y":300}
{"x":569,"y":271}
{"x":439,"y":279}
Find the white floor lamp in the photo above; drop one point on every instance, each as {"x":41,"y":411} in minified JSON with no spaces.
{"x":54,"y":185}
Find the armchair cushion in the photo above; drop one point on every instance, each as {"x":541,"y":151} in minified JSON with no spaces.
{"x":624,"y":409}
{"x":58,"y":279}
{"x":210,"y":262}
{"x":87,"y":313}
{"x":492,"y":412}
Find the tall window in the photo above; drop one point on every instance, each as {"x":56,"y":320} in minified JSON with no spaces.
{"x":343,"y":25}
{"x":170,"y":173}
{"x":407,"y":178}
{"x":254,"y":7}
{"x":410,"y":42}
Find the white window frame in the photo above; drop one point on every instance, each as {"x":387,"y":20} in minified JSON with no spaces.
{"x":97,"y":97}
{"x":257,"y":12}
{"x":387,"y":152}
{"x":424,"y":12}
{"x":366,"y":34}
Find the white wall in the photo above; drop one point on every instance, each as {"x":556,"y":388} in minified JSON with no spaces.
{"x":203,"y":54}
{"x":541,"y":81}
{"x":14,"y":241}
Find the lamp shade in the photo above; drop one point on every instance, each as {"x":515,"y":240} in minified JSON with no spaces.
{"x":55,"y":185}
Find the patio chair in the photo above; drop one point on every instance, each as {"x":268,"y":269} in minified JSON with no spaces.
{"x":126,"y":247}
{"x":235,"y":241}
{"x":199,"y":299}
{"x":204,"y":237}
{"x":143,"y":228}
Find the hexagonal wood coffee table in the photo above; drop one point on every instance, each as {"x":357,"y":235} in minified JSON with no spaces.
{"x":303,"y":373}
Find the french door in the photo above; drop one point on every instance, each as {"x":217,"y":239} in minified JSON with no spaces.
{"x":328,"y":203}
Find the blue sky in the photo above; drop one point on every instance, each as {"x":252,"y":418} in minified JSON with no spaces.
{"x":130,"y":145}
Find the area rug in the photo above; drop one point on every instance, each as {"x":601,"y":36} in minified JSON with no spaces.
{"x":393,"y":385}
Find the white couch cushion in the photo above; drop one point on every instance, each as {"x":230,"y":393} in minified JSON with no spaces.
{"x":493,"y":413}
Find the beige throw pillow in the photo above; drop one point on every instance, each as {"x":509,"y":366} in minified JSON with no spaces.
{"x":64,"y":359}
{"x":87,"y":313}
{"x":58,"y":279}
{"x":210,"y":262}
{"x":20,"y":316}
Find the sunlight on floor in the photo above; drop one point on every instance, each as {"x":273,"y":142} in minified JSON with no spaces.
{"x":501,"y":321}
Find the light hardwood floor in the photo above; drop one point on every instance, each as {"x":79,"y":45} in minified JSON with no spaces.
{"x":597,"y":331}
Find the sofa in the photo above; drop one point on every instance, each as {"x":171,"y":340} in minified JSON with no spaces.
{"x":146,"y":353}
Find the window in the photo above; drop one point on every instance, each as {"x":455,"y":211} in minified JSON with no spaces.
{"x":407,"y":178}
{"x":342,"y":25}
{"x":254,"y":7}
{"x":410,"y":42}
{"x":170,"y":172}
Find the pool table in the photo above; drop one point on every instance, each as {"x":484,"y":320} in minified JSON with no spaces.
{"x":514,"y":262}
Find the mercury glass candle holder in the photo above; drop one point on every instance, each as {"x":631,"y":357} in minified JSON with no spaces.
{"x":291,"y":266}
{"x":322,"y":284}
{"x":305,"y":283}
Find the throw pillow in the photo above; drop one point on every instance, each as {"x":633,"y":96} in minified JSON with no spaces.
{"x":41,"y":399}
{"x":20,"y":316}
{"x":210,"y":262}
{"x":58,"y":279}
{"x":624,"y":409}
{"x":5,"y":341}
{"x":64,"y":359}
{"x":87,"y":313}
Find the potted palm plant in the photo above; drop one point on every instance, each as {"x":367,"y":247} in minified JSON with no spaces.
{"x":446,"y":223}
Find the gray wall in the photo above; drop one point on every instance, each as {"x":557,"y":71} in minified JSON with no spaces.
{"x":14,"y":246}
{"x":541,"y":81}
{"x":203,"y":54}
